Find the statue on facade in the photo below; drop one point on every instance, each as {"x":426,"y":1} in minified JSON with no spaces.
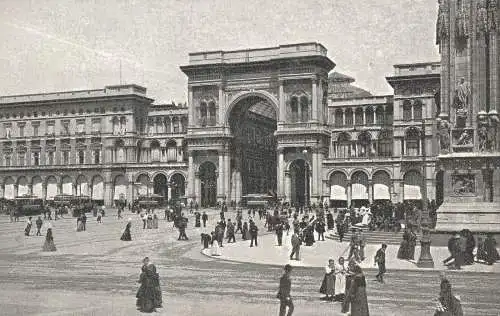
{"x":493,"y":16}
{"x":444,"y":136}
{"x":484,"y":142}
{"x":442,"y":24}
{"x":482,"y":17}
{"x":461,"y":101}
{"x":465,"y":138}
{"x":462,"y":22}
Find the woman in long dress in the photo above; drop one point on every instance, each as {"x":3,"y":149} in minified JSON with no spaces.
{"x":126,"y":236}
{"x":28,"y":227}
{"x":340,"y":279}
{"x":155,"y":221}
{"x":357,"y":293}
{"x":448,"y":304}
{"x":79,"y":224}
{"x":215,"y":251}
{"x":149,"y":221}
{"x":403,"y":248}
{"x":49,"y":240}
{"x":149,"y":294}
{"x":328,"y":284}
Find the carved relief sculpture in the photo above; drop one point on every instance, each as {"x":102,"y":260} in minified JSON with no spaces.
{"x":482,"y":17}
{"x":493,"y":16}
{"x":462,"y":22}
{"x":484,"y":143}
{"x":465,"y":139}
{"x":462,"y":99}
{"x":464,"y":184}
{"x":442,"y":24}
{"x":444,"y":136}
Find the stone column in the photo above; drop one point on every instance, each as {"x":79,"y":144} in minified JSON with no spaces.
{"x":191,"y":174}
{"x":221,"y":106}
{"x":131,"y":196}
{"x":288,"y":186}
{"x":169,"y":191}
{"x":281,"y":173}
{"x":314,"y":99}
{"x":494,"y":64}
{"x":349,"y":192}
{"x":375,"y":116}
{"x":315,"y":180}
{"x":227,"y":177}
{"x":370,"y":191}
{"x":364,"y":116}
{"x":108,"y":189}
{"x":220,"y":178}
{"x":343,"y":117}
{"x":191,"y":107}
{"x":282,"y":109}
{"x":197,"y":188}
{"x":180,"y":156}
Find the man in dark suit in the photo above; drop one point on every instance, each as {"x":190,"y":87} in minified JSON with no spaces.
{"x":284,"y":292}
{"x":380,"y":260}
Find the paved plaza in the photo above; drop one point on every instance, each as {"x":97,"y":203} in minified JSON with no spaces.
{"x":94,"y":273}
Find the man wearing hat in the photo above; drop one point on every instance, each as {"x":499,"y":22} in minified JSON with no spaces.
{"x":284,"y":292}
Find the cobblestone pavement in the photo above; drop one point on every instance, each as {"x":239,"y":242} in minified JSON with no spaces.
{"x":94,"y":273}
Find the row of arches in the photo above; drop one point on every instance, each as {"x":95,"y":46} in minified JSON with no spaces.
{"x":369,"y":115}
{"x":167,"y":124}
{"x":412,"y":110}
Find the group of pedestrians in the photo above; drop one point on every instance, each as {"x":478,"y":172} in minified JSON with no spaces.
{"x":462,"y":245}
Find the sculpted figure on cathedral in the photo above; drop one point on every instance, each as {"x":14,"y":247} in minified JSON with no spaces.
{"x":462,"y":22}
{"x":461,"y":101}
{"x":442,"y":24}
{"x":484,"y":142}
{"x":465,"y":139}
{"x":482,"y":17}
{"x":493,"y":16}
{"x":444,"y":136}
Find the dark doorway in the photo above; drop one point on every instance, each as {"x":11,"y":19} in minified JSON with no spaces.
{"x":208,"y":180}
{"x":300,"y":174}
{"x":178,"y":185}
{"x":160,"y":186}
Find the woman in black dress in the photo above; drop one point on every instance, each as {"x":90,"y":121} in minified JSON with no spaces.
{"x":49,"y":240}
{"x":126,"y":234}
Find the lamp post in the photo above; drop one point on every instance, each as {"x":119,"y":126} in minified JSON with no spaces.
{"x":306,"y":169}
{"x":425,"y":260}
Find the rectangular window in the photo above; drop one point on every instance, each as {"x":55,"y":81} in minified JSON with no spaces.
{"x":8,"y":130}
{"x":21,"y":159}
{"x":65,"y":128}
{"x":35,"y":130}
{"x":81,"y":157}
{"x":80,"y":126}
{"x":21,"y":130}
{"x":50,"y":128}
{"x":36,"y":159}
{"x":97,"y":156}
{"x":51,"y":156}
{"x":96,"y":125}
{"x":65,"y":157}
{"x":7,"y":161}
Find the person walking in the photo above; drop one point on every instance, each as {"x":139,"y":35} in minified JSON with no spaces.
{"x":244,"y":231}
{"x":119,"y":213}
{"x":320,"y":229}
{"x":28,"y":227}
{"x":38,"y":224}
{"x":356,"y":296}
{"x":340,"y":280}
{"x":380,"y":260}
{"x":296,"y":242}
{"x":328,"y":284}
{"x":126,"y":236}
{"x":144,"y":220}
{"x":49,"y":240}
{"x":254,"y":230}
{"x":448,"y":304}
{"x":84,"y":221}
{"x":204,"y":217}
{"x":149,"y":293}
{"x":284,"y":292}
{"x":279,"y":233}
{"x":230,"y":232}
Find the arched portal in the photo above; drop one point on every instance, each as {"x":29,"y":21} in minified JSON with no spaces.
{"x":120,"y":188}
{"x":22,"y":186}
{"x":67,"y":185}
{"x":160,"y":186}
{"x":338,"y":189}
{"x":143,"y":184}
{"x":178,"y":184}
{"x":82,"y":186}
{"x":252,"y":120}
{"x":9,"y":189}
{"x":51,"y":188}
{"x":359,"y":185}
{"x":208,"y":179}
{"x":37,"y":187}
{"x":98,"y":189}
{"x":381,"y":186}
{"x":300,"y":174}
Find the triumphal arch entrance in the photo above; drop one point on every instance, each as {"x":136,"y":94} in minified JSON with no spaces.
{"x":257,"y":123}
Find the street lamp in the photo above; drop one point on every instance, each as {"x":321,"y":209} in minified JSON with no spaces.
{"x":306,"y":171}
{"x":425,"y":260}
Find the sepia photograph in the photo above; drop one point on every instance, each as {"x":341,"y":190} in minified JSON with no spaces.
{"x":249,"y":157}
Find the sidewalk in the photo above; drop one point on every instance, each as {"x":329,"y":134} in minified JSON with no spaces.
{"x":269,"y":253}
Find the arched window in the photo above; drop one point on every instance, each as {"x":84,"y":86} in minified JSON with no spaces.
{"x":294,"y":108}
{"x":184,"y":124}
{"x":151,"y":126}
{"x":406,"y":110}
{"x":138,"y":152}
{"x":304,"y":105}
{"x":166,"y":122}
{"x":175,"y":124}
{"x":343,"y":146}
{"x":389,"y":115}
{"x":203,"y":114}
{"x":417,"y":110}
{"x":412,"y":140}
{"x":364,"y":145}
{"x":155,"y":151}
{"x":359,"y":116}
{"x":123,"y":125}
{"x":385,"y":143}
{"x":339,"y":118}
{"x":116,"y":125}
{"x":119,"y":151}
{"x":212,"y":120}
{"x":348,"y":117}
{"x":159,"y":126}
{"x":171,"y":150}
{"x":185,"y":154}
{"x":369,"y":115}
{"x":379,"y":114}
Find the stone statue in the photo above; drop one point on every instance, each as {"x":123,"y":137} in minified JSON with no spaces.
{"x":484,"y":142}
{"x":493,"y":16}
{"x":442,"y":24}
{"x":462,"y":99}
{"x":463,"y":184}
{"x":444,"y":136}
{"x":465,"y":139}
{"x":482,"y":17}
{"x":462,"y":22}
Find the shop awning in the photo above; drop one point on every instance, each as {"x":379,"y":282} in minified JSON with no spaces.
{"x":381,"y":192}
{"x":359,"y":192}
{"x":412,"y":192}
{"x":338,"y":192}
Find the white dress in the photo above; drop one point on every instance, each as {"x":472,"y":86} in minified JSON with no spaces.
{"x":340,"y":277}
{"x":215,"y":248}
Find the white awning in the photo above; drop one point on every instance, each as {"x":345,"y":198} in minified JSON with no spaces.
{"x":412,"y":192}
{"x":338,"y":192}
{"x":381,"y":192}
{"x":359,"y":192}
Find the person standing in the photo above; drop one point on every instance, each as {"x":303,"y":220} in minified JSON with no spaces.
{"x":279,"y":233}
{"x":244,"y":231}
{"x":99,"y":218}
{"x":296,"y":241}
{"x":182,"y":228}
{"x":84,"y":221}
{"x":28,"y":227}
{"x":149,"y":293}
{"x":320,"y":229}
{"x":239,"y":224}
{"x":490,"y":247}
{"x":38,"y":224}
{"x":197,"y":217}
{"x":79,"y":224}
{"x":380,"y":260}
{"x":403,"y":247}
{"x":412,"y":242}
{"x":204,"y":217}
{"x":149,"y":221}
{"x":254,"y":230}
{"x":448,"y":304}
{"x":284,"y":292}
{"x":49,"y":240}
{"x":119,"y":213}
{"x":328,"y":284}
{"x":340,"y":280}
{"x":126,"y":236}
{"x":362,"y":244}
{"x":155,"y":221}
{"x":356,"y":296}
{"x":230,"y":232}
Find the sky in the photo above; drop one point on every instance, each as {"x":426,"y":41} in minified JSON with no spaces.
{"x":54,"y":45}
